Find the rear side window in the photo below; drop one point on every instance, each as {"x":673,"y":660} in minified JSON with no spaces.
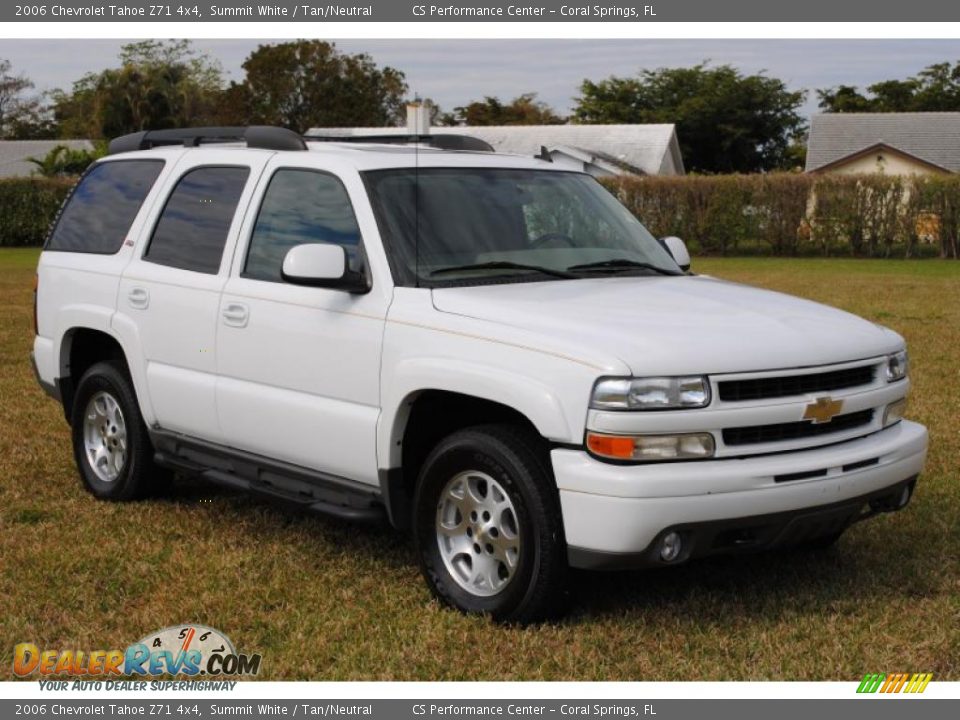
{"x":301,"y":206}
{"x":192,"y":229}
{"x":101,"y":209}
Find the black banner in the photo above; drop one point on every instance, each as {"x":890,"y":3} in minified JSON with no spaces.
{"x":416,"y":709}
{"x":490,"y":11}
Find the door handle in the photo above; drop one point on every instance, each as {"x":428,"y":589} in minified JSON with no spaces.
{"x":138,"y":297}
{"x":235,"y":314}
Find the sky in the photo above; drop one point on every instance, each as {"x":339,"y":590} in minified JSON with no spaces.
{"x":455,"y":72}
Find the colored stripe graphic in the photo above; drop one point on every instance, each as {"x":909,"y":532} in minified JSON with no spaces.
{"x":919,"y":682}
{"x":871,"y":683}
{"x":894,"y":682}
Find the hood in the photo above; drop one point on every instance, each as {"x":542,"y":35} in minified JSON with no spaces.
{"x":676,"y":325}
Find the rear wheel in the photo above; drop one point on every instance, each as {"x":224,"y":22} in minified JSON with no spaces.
{"x":110,"y":442}
{"x":488,"y":527}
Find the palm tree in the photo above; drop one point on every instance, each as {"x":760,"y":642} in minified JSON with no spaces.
{"x":63,"y":161}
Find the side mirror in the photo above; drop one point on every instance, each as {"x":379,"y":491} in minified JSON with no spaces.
{"x":678,"y":250}
{"x":322,"y":265}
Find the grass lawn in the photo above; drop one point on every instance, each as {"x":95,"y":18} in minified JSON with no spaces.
{"x":328,"y":601}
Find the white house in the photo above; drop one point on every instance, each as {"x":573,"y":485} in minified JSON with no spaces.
{"x":601,"y":150}
{"x":891,"y":143}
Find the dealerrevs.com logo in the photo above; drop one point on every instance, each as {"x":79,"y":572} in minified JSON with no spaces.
{"x":189,"y":650}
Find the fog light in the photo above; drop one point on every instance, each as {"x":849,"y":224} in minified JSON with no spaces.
{"x":894,"y":412}
{"x":687,"y":446}
{"x":904,"y":496}
{"x":670,"y":546}
{"x":894,"y":501}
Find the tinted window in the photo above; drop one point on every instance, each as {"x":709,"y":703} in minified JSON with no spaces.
{"x":193,"y":227}
{"x":435,"y":221}
{"x":301,"y":206}
{"x":101,"y":209}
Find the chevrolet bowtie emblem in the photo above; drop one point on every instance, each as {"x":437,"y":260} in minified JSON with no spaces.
{"x":822,"y":410}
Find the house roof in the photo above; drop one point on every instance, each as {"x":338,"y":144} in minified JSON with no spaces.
{"x":652,"y":149}
{"x":932,"y":138}
{"x":878,"y":147}
{"x":14,"y":154}
{"x":593,"y":158}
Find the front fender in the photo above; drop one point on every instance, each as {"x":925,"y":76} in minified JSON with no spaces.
{"x":536,"y":400}
{"x":545,"y":379}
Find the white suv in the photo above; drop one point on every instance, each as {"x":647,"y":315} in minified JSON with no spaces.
{"x":485,"y":349}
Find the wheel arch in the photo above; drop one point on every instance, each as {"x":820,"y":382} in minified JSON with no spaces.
{"x":82,"y":346}
{"x":423,"y":418}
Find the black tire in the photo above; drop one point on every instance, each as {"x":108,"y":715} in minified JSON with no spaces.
{"x":138,"y":476}
{"x":517,"y":460}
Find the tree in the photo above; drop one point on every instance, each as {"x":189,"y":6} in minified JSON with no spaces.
{"x":159,"y":84}
{"x":33,"y":120}
{"x":844,"y":98}
{"x":309,"y":83}
{"x":936,"y":88}
{"x":12,"y":88}
{"x":726,"y":121}
{"x":522,"y":110}
{"x":63,"y":161}
{"x":21,"y":117}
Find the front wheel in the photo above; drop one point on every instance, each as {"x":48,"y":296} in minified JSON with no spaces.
{"x":488,"y":525}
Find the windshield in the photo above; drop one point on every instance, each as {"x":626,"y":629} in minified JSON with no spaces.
{"x":457,"y":225}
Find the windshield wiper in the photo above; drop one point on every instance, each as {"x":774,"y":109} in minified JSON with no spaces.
{"x":504,"y":265}
{"x":621,"y":263}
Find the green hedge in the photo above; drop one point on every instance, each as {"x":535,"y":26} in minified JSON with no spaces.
{"x":27,"y":206}
{"x":793,"y":214}
{"x":777,"y":214}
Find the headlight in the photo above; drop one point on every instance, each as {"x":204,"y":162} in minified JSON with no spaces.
{"x":897,"y":366}
{"x":655,"y":393}
{"x":686,"y":446}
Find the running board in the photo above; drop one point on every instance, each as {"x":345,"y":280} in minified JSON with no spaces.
{"x":307,"y":489}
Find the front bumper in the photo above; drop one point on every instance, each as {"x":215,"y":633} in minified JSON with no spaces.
{"x":614,"y":515}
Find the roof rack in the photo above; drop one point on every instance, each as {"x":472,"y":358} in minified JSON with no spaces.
{"x":441,"y":141}
{"x":263,"y":137}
